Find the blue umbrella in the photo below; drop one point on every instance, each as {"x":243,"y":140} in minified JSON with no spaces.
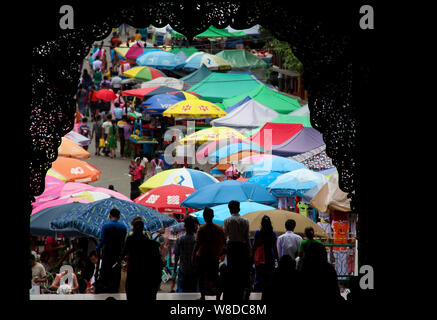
{"x":264,"y":180}
{"x":278,"y":164}
{"x":223,"y":152}
{"x":223,"y":192}
{"x":296,"y":183}
{"x":89,"y":218}
{"x":40,"y":221}
{"x":221,"y":212}
{"x":160,"y":60}
{"x":160,"y":102}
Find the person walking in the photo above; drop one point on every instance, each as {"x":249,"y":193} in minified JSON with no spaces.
{"x":238,"y":254}
{"x":209,"y":245}
{"x":84,"y":129}
{"x":289,"y":242}
{"x":135,"y":179}
{"x":105,"y":132}
{"x":97,"y":132}
{"x":81,"y":99}
{"x":111,"y":244}
{"x":187,"y":273}
{"x":144,"y":264}
{"x":157,"y":165}
{"x":113,"y":138}
{"x":265,"y":254}
{"x":121,"y":124}
{"x":93,"y":102}
{"x":305,"y":245}
{"x":97,"y":78}
{"x":86,"y":80}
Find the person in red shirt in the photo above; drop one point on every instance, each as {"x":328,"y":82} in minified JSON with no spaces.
{"x":93,"y":102}
{"x":115,"y":40}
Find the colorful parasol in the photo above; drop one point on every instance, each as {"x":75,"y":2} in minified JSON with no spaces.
{"x":143,"y":73}
{"x":194,"y":108}
{"x":72,"y":150}
{"x":143,"y":93}
{"x":106,"y":95}
{"x":73,"y":170}
{"x":212,"y":134}
{"x":212,"y":62}
{"x":160,"y":59}
{"x":89,"y":218}
{"x":184,"y":177}
{"x":166,"y":199}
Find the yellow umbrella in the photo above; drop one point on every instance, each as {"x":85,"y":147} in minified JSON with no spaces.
{"x":278,"y":218}
{"x":211,"y":134}
{"x":194,"y":108}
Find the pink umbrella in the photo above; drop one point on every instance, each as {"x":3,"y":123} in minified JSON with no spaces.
{"x":57,"y":202}
{"x":215,"y":145}
{"x":52,"y":189}
{"x":71,"y":188}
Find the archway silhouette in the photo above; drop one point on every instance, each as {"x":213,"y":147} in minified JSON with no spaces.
{"x":320,"y":37}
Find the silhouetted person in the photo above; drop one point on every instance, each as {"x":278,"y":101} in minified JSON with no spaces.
{"x":112,"y":239}
{"x":285,"y":284}
{"x":265,"y":241}
{"x":318,"y":275}
{"x":237,"y":284}
{"x":209,"y":245}
{"x":144,"y":264}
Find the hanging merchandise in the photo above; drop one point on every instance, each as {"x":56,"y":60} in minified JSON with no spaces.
{"x":303,"y":208}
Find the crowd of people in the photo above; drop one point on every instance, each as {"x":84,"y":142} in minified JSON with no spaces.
{"x":209,"y":259}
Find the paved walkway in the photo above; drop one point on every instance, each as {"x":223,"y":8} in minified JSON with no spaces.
{"x":122,"y":296}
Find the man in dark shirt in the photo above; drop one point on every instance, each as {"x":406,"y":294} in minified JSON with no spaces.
{"x":112,"y":239}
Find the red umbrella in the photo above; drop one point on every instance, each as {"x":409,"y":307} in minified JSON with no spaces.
{"x":166,"y":199}
{"x":149,"y":91}
{"x":106,"y":95}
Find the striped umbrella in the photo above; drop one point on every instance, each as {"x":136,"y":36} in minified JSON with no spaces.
{"x":144,"y":73}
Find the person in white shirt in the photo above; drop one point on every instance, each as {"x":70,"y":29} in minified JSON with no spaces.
{"x":116,"y":82}
{"x":289,"y":242}
{"x":97,"y":64}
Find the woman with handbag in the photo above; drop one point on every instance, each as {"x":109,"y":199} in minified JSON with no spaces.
{"x":265,"y":254}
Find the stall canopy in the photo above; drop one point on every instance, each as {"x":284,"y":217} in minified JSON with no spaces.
{"x":280,"y":133}
{"x":286,"y":118}
{"x":218,"y":86}
{"x":213,"y":32}
{"x":253,"y":31}
{"x":187,"y":51}
{"x":272,"y":99}
{"x":242,"y":59}
{"x":303,"y":111}
{"x":197,"y":76}
{"x":249,"y":115}
{"x":305,"y":140}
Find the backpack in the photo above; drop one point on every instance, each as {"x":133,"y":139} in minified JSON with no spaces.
{"x":158,"y":167}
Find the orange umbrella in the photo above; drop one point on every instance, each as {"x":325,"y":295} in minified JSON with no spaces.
{"x":71,"y":149}
{"x":74,"y":170}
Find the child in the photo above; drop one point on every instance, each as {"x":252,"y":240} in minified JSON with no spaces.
{"x":85,"y":130}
